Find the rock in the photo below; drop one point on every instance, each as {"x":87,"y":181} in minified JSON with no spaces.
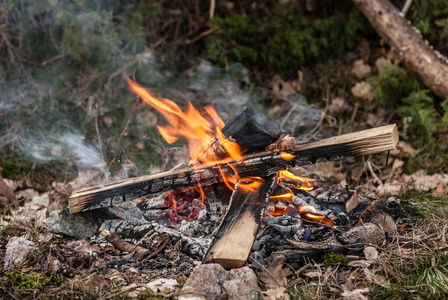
{"x":370,"y":253}
{"x":62,"y":222}
{"x":386,"y":222}
{"x":363,"y":90}
{"x":242,"y":284}
{"x":162,"y":285}
{"x":17,"y":251}
{"x":361,"y":70}
{"x":365,"y":234}
{"x":211,"y":281}
{"x":337,"y":106}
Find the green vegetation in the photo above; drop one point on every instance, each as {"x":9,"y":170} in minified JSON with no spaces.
{"x":334,"y":258}
{"x":283,"y":40}
{"x":17,"y":280}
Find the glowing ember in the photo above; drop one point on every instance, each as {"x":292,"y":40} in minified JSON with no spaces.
{"x":320,"y":219}
{"x":286,"y":156}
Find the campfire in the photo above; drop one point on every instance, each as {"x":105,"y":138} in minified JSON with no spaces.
{"x":241,"y":175}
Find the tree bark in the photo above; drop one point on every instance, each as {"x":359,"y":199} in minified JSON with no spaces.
{"x":407,"y":42}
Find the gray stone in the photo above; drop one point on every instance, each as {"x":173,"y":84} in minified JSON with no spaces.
{"x":365,"y":234}
{"x":386,"y":222}
{"x":75,"y":225}
{"x":211,"y":281}
{"x":17,"y":251}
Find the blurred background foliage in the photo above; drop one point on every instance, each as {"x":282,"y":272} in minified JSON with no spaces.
{"x":62,"y":65}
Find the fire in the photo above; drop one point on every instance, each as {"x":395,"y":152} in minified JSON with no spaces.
{"x":190,"y":125}
{"x":286,"y":156}
{"x":199,"y":130}
{"x":317,"y":218}
{"x":289,"y":179}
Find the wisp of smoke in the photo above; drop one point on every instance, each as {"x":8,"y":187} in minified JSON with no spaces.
{"x":66,"y":146}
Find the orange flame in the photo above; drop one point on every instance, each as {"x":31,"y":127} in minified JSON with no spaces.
{"x":286,"y":156}
{"x":297,"y":182}
{"x":191,"y":125}
{"x":320,"y":219}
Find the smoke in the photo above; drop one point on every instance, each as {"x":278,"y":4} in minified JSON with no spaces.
{"x":67,"y":146}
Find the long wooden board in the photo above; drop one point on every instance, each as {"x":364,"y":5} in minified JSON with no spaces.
{"x":365,"y":142}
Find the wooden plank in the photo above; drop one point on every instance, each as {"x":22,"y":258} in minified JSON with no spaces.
{"x":233,"y":241}
{"x":366,"y":142}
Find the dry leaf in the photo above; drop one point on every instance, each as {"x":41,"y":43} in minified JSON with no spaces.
{"x":273,"y":276}
{"x":370,"y":253}
{"x":277,"y":294}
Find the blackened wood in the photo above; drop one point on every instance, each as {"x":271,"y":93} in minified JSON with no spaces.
{"x":233,"y":241}
{"x":404,"y":40}
{"x":253,"y":133}
{"x":366,"y":142}
{"x":347,"y":198}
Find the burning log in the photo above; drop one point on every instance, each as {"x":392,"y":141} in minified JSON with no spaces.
{"x":233,"y":241}
{"x":366,"y":142}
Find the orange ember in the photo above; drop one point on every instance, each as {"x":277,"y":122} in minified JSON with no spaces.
{"x":286,"y":156}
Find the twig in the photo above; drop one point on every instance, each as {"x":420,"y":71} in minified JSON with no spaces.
{"x":127,"y":123}
{"x":212,"y":8}
{"x":155,"y":253}
{"x":406,"y":7}
{"x":200,"y":36}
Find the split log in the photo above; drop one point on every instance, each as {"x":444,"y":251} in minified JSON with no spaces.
{"x":233,"y":241}
{"x":366,"y":142}
{"x":408,"y":43}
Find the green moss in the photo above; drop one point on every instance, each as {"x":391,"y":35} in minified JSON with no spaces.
{"x":17,"y":280}
{"x":284,"y":40}
{"x":30,"y":260}
{"x":334,"y":258}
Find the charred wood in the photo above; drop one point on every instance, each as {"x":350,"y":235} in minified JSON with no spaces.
{"x":263,"y":164}
{"x":233,"y":241}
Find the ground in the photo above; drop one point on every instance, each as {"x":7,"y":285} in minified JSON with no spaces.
{"x":65,"y":110}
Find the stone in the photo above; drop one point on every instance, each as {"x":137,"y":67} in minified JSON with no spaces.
{"x":72,"y":225}
{"x":361,"y":70}
{"x":211,"y":281}
{"x":162,"y":285}
{"x":386,"y":222}
{"x":365,"y":234}
{"x":17,"y":251}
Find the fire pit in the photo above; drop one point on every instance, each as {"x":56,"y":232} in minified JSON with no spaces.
{"x":241,"y":176}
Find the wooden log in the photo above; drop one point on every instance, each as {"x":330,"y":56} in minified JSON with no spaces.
{"x":408,"y":43}
{"x":366,"y":142}
{"x":233,"y":241}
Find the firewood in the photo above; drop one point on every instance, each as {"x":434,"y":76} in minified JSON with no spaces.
{"x":233,"y":241}
{"x":366,"y":142}
{"x":408,"y":43}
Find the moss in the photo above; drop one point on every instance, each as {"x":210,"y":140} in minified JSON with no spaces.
{"x":17,"y":280}
{"x":334,"y":258}
{"x":283,"y":40}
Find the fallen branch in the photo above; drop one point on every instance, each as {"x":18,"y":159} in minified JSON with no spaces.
{"x":407,"y":42}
